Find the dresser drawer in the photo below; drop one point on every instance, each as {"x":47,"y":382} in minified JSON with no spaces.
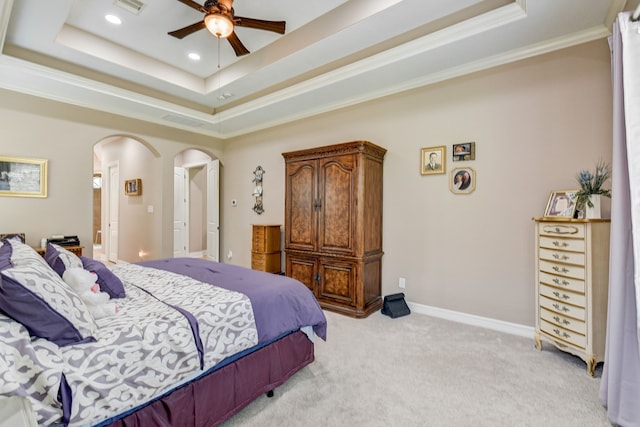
{"x":562,"y":256}
{"x":574,"y":245}
{"x":567,"y":270}
{"x":562,"y":308}
{"x":269,"y":262}
{"x":562,"y":282}
{"x":563,"y":334}
{"x":266,"y":238}
{"x":562,"y":230}
{"x":563,"y":296}
{"x":566,"y":322}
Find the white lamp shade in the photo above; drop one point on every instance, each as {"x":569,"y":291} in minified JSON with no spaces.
{"x":219,"y":25}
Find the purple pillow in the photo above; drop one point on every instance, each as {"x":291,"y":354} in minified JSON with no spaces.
{"x":109,"y":282}
{"x":6,"y":250}
{"x":38,"y":298}
{"x":60,"y":259}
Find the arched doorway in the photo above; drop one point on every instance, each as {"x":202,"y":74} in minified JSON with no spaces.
{"x":196,"y":217}
{"x":127,"y":225}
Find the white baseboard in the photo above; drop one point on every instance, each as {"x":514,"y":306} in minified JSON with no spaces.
{"x":197,"y":254}
{"x":470,"y":319}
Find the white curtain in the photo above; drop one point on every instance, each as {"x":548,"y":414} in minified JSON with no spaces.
{"x":620,"y":386}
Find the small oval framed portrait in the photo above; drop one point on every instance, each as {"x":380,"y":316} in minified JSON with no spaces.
{"x":462,"y":180}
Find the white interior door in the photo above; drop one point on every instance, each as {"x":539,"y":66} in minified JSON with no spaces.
{"x":213,"y":210}
{"x":179,"y":212}
{"x":112,"y":208}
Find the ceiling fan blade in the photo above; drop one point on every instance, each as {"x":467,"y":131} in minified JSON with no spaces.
{"x":237,"y":45}
{"x":194,"y":5}
{"x":259,"y":24}
{"x":183,"y":32}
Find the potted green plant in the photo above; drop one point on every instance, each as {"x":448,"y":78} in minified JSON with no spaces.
{"x":587,"y":197}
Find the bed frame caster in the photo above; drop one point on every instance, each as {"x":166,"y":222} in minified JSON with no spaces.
{"x":270,"y":393}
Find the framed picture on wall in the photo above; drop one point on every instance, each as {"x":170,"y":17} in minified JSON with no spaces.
{"x":462,"y":180}
{"x":433,"y":160}
{"x":23,"y":177}
{"x":464,"y":151}
{"x":133,"y":187}
{"x":561,"y":204}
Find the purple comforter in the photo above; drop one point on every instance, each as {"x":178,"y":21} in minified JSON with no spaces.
{"x":280,"y":304}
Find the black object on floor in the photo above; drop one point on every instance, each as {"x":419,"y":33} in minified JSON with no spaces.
{"x":394,"y":306}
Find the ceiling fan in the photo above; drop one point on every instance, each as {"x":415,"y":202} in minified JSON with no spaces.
{"x":220,"y":20}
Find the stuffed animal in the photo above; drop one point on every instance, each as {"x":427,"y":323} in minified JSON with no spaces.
{"x":84,"y":283}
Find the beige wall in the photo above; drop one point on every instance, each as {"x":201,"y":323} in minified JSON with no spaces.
{"x":65,"y":136}
{"x":535,"y":123}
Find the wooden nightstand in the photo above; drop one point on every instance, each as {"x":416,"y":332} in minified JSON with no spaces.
{"x":77,"y":250}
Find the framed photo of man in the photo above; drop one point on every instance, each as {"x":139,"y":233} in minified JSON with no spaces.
{"x":433,"y":160}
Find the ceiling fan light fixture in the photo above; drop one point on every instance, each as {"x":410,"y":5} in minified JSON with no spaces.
{"x":219,"y":25}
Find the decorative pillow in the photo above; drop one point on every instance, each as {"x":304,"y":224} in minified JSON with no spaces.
{"x":37,"y":297}
{"x":109,"y":282}
{"x":60,"y":259}
{"x":23,"y":254}
{"x":6,"y":250}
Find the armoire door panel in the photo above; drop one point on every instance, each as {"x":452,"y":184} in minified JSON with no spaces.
{"x":337,"y":281}
{"x":303,"y":270}
{"x":337,"y":184}
{"x":300,"y":227}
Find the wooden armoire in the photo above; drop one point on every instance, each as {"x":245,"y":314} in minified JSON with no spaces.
{"x":333,"y":224}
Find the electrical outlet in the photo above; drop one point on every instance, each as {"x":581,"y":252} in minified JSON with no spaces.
{"x":402,"y":282}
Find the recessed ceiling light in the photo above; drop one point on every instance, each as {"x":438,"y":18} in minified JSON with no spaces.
{"x":194,"y":56}
{"x":113,"y":19}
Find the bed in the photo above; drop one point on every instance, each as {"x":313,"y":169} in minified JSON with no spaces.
{"x":192,"y":343}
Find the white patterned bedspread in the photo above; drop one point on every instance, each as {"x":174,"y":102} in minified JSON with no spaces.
{"x":140,"y":353}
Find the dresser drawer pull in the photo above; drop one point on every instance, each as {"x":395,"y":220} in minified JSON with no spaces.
{"x":558,"y":244}
{"x":563,"y":321}
{"x":560,"y":270}
{"x":561,"y":334}
{"x":558,"y":282}
{"x":564,"y":296}
{"x":559,"y":257}
{"x":557,"y":307}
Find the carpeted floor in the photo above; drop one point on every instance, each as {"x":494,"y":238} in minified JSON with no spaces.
{"x":424,"y":371}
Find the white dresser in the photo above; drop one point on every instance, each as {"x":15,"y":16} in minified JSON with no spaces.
{"x":572,"y":282}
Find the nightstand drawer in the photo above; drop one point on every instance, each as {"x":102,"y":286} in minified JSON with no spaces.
{"x":567,"y":270}
{"x":563,"y":296}
{"x":573,"y":245}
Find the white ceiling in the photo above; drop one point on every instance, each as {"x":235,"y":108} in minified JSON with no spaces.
{"x":334,"y":53}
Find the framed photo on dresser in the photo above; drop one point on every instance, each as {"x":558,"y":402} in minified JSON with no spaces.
{"x":561,"y":204}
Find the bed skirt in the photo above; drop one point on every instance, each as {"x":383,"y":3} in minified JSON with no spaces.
{"x":216,"y":397}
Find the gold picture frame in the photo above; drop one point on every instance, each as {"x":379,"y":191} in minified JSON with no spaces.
{"x":462,"y":180}
{"x":133,"y":187}
{"x":561,"y":204}
{"x":464,"y":151}
{"x":23,"y":177}
{"x":433,"y":160}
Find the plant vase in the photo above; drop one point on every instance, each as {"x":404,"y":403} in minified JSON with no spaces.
{"x":593,"y":211}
